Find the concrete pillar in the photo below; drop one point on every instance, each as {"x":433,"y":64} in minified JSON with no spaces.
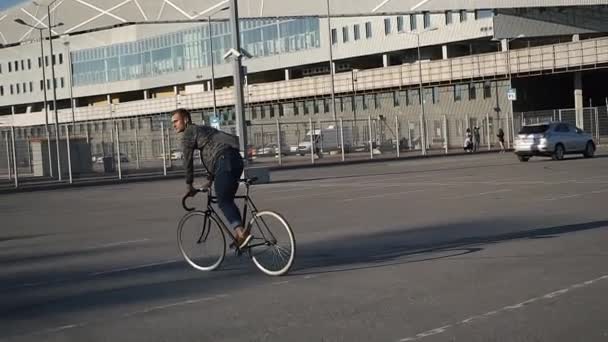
{"x":146,"y":95}
{"x":576,"y":38}
{"x":385,"y":60}
{"x":444,"y":51}
{"x":175,"y":91}
{"x":209,"y":86}
{"x":578,"y":99}
{"x":504,"y":45}
{"x":287,"y":74}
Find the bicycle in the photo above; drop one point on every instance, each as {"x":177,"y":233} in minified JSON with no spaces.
{"x":209,"y":236}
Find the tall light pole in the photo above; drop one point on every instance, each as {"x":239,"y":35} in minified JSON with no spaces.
{"x":509,"y":74}
{"x":421,"y":89}
{"x":331,"y":65}
{"x":354,"y":83}
{"x":209,"y":32}
{"x":71,"y":79}
{"x":237,"y":53}
{"x":46,"y":109}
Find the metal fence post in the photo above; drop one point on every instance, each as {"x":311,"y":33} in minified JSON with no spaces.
{"x":118,"y":150}
{"x":86,"y":127}
{"x":29,"y":155}
{"x":162,"y":133}
{"x":488,"y":130}
{"x":371,"y":146}
{"x":409,"y":135}
{"x":8,"y":157}
{"x":512,"y":131}
{"x":169,"y":148}
{"x":48,"y":143}
{"x":16,"y":172}
{"x":280,"y":152}
{"x":312,"y":143}
{"x":445,"y":133}
{"x":554,"y":116}
{"x":397,"y":135}
{"x":137,"y":143}
{"x":560,"y":115}
{"x":67,"y":140}
{"x":597,"y":125}
{"x":342,"y":137}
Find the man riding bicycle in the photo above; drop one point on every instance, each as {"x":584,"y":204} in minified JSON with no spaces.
{"x":223,"y":165}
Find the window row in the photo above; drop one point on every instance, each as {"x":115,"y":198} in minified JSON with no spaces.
{"x":28,"y":87}
{"x":26,"y":64}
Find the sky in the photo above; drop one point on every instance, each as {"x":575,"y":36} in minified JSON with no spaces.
{"x":4,"y":4}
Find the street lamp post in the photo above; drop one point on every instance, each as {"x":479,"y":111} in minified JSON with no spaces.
{"x":54,"y":86}
{"x":421,"y":89}
{"x":354,"y":83}
{"x":46,"y":109}
{"x":210,"y":33}
{"x":331,"y":64}
{"x":510,"y":76}
{"x":71,"y":79}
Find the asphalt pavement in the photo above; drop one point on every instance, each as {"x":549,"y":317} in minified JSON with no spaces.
{"x":467,"y":248}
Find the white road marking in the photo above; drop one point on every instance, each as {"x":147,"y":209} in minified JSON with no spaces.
{"x":468,"y":320}
{"x":131,"y":268}
{"x":476,"y":195}
{"x":119,"y":243}
{"x":382,"y":195}
{"x":171,"y":305}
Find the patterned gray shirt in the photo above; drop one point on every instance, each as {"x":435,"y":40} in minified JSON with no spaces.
{"x":211,"y":143}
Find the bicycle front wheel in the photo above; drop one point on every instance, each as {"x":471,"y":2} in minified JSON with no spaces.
{"x":273,"y":246}
{"x":201,"y":241}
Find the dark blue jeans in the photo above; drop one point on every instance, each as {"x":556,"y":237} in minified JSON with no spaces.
{"x":228,"y":170}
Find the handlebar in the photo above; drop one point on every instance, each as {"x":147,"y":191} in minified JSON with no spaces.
{"x":186,"y":197}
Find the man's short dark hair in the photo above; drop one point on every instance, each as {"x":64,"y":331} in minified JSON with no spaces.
{"x":184,"y":113}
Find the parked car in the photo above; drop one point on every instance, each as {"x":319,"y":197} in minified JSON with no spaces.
{"x":553,"y":139}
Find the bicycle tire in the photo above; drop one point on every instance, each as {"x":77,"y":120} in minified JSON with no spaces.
{"x":208,"y":239}
{"x":269,"y":230}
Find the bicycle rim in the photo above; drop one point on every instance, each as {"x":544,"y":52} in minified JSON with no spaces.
{"x":273,"y":246}
{"x":201,"y":241}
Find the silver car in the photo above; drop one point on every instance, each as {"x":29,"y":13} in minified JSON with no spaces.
{"x":554,"y":139}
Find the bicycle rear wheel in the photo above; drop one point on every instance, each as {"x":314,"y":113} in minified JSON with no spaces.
{"x":201,"y":241}
{"x":273,"y":246}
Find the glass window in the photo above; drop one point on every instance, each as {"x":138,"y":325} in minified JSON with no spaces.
{"x":395,"y":98}
{"x":400,"y":26}
{"x":368,"y":29}
{"x":463,"y":16}
{"x":29,"y":64}
{"x":60,"y":58}
{"x":387,"y":26}
{"x":12,"y":91}
{"x":472,"y":92}
{"x":24,"y":87}
{"x":16,"y":65}
{"x":345,"y":34}
{"x":31,"y":86}
{"x":448,"y":17}
{"x":457,"y":92}
{"x":427,"y":20}
{"x":10,"y":68}
{"x":22,"y":65}
{"x":62,"y":82}
{"x":357,"y":32}
{"x":1,"y":90}
{"x":413,"y":22}
{"x":334,"y":36}
{"x":18,"y":88}
{"x":487,"y":90}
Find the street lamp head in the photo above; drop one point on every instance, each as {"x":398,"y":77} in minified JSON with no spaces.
{"x":21,"y":22}
{"x":58,"y":24}
{"x":224,"y":9}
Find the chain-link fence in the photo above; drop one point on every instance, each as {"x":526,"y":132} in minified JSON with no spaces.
{"x":593,"y":120}
{"x":147,"y":145}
